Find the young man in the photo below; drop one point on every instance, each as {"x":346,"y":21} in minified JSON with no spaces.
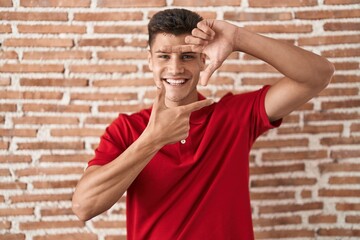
{"x":184,"y":163}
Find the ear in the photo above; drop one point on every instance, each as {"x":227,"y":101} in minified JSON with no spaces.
{"x":150,"y":62}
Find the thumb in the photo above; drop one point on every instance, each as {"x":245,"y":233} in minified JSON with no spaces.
{"x":198,"y":105}
{"x":159,"y":102}
{"x":209,"y":70}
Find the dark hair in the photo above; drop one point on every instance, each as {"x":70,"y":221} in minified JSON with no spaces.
{"x":174,"y":21}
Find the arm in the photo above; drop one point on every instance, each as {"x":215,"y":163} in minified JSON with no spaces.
{"x":306,"y":74}
{"x":102,"y":186}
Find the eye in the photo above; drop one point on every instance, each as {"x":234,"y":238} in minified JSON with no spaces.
{"x":187,"y":57}
{"x":164,"y":56}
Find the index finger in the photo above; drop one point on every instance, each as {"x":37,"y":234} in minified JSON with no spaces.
{"x":192,"y":107}
{"x":181,"y":49}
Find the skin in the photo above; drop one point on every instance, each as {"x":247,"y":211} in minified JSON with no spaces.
{"x":182,"y":57}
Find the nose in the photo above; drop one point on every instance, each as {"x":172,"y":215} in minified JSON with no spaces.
{"x":175,"y":66}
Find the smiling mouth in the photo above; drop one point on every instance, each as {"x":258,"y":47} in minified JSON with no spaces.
{"x":175,"y":82}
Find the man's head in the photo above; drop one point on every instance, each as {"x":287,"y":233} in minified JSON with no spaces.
{"x":178,"y":72}
{"x":172,"y":21}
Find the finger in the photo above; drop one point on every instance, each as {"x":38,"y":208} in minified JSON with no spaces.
{"x":181,"y":48}
{"x":206,"y":27}
{"x":197,"y":33}
{"x":195,"y":41}
{"x":197,"y":105}
{"x":159,"y":102}
{"x":208,"y":72}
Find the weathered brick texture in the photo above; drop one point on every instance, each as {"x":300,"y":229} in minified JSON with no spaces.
{"x":67,"y":68}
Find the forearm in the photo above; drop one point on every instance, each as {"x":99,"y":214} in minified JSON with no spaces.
{"x":295,"y":63}
{"x":102,"y":187}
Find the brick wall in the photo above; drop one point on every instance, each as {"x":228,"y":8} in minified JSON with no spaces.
{"x":67,"y":68}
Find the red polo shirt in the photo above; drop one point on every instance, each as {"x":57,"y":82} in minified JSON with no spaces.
{"x":197,"y":189}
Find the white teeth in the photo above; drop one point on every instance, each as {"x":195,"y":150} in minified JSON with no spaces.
{"x":175,"y":81}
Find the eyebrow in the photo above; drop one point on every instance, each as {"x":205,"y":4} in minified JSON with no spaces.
{"x":159,"y":51}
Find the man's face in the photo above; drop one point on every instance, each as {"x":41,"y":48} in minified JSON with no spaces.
{"x":177,"y":71}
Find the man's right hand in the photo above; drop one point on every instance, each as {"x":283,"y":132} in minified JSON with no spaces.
{"x":170,"y":125}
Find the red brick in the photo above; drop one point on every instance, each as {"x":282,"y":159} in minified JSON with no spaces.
{"x":108,"y":16}
{"x":325,"y":40}
{"x":56,"y":212}
{"x":342,"y":26}
{"x":98,"y":120}
{"x":5,"y":28}
{"x":355,"y":127}
{"x":48,"y":171}
{"x":122,"y":108}
{"x":49,"y":55}
{"x":4,"y":145}
{"x":50,"y":225}
{"x":349,"y":65}
{"x":283,"y":182}
{"x":18,"y":132}
{"x":276,"y":234}
{"x":4,"y":212}
{"x":5,"y":225}
{"x":311,"y":14}
{"x":205,"y":3}
{"x":314,"y":219}
{"x":298,"y":155}
{"x":53,"y":158}
{"x":111,"y":55}
{"x":54,"y":82}
{"x":306,"y":194}
{"x":5,"y":172}
{"x":339,"y":167}
{"x":330,"y":141}
{"x":277,"y":169}
{"x":55,"y":184}
{"x":344,"y":153}
{"x":281,"y":3}
{"x":55,"y":3}
{"x":291,"y":208}
{"x":339,"y":92}
{"x":104,"y":96}
{"x":344,"y":180}
{"x":257,"y":16}
{"x":40,"y":198}
{"x":50,"y":145}
{"x":8,"y":55}
{"x":32,"y":68}
{"x":340,"y":104}
{"x":272,"y":195}
{"x":340,"y":2}
{"x":10,"y":236}
{"x":345,"y":79}
{"x":115,"y":237}
{"x":38,"y":42}
{"x":311,"y":129}
{"x":109,"y":224}
{"x":339,"y":53}
{"x":121,"y":29}
{"x":260,"y":144}
{"x":46,"y":120}
{"x":135,"y":42}
{"x":50,"y":29}
{"x":6,"y":3}
{"x":288,"y":28}
{"x":5,"y":81}
{"x":339,"y":193}
{"x":338,"y":232}
{"x":13,"y":185}
{"x":352,"y":219}
{"x":77,"y":132}
{"x":134,"y":3}
{"x":331,"y":116}
{"x":102,"y":68}
{"x":15,"y":159}
{"x":8,"y":107}
{"x":348,"y":206}
{"x":33,"y":107}
{"x":276,"y":221}
{"x":30,"y":95}
{"x":74,"y":236}
{"x":34,"y":16}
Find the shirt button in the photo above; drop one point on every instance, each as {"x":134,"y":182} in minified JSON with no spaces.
{"x":183,"y":141}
